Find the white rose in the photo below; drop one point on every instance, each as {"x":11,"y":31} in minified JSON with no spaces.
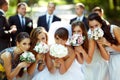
{"x":96,"y":38}
{"x":25,"y":54}
{"x":58,"y":51}
{"x":41,"y":47}
{"x":97,"y":33}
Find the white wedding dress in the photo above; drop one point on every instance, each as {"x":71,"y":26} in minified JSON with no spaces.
{"x":74,"y":73}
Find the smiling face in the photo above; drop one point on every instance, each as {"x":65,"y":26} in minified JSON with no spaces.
{"x":77,"y":30}
{"x":94,"y":24}
{"x":42,"y":37}
{"x":24,"y":44}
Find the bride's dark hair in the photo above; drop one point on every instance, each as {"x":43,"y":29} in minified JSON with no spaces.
{"x":62,"y":33}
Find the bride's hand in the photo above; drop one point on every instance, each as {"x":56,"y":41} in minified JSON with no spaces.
{"x":60,"y":60}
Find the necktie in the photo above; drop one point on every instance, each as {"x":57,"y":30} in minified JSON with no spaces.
{"x":48,"y":21}
{"x":22,"y":22}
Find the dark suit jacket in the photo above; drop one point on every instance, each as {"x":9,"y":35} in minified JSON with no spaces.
{"x":4,"y":37}
{"x":42,"y":21}
{"x":84,"y":21}
{"x":14,"y":20}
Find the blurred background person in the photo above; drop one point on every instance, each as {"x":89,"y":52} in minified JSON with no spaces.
{"x":23,"y":23}
{"x":5,"y":29}
{"x":49,"y":17}
{"x":79,"y":9}
{"x":100,"y":12}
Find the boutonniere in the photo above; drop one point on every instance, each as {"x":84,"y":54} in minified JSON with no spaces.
{"x":29,"y":24}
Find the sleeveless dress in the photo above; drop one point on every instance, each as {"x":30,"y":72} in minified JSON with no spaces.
{"x":98,"y":68}
{"x":114,"y":62}
{"x":14,"y":64}
{"x":74,"y":73}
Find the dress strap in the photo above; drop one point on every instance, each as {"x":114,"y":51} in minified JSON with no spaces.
{"x":111,"y":30}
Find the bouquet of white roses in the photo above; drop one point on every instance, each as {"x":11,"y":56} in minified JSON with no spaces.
{"x":76,"y":40}
{"x":27,"y":57}
{"x":41,"y":47}
{"x":58,"y":51}
{"x":97,"y":33}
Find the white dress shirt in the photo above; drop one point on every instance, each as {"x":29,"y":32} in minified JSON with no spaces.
{"x":50,"y":20}
{"x":80,"y":18}
{"x":2,"y":12}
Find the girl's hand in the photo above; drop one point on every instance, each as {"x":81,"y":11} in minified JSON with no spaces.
{"x":40,"y":57}
{"x":103,"y":41}
{"x":79,"y":49}
{"x":23,"y":64}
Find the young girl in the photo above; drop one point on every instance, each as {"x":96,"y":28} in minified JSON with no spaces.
{"x":9,"y":58}
{"x":109,"y":43}
{"x":38,"y":35}
{"x":89,"y":53}
{"x":68,"y":68}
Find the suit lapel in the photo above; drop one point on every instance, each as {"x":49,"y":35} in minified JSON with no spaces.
{"x":75,"y":18}
{"x":84,"y":19}
{"x":18,"y":20}
{"x":1,"y":13}
{"x":45,"y":19}
{"x":53,"y":19}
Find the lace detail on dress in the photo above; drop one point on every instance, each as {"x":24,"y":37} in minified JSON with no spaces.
{"x":10,"y":51}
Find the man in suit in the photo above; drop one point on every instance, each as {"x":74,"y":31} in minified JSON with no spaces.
{"x":46,"y":20}
{"x":80,"y":8}
{"x":5,"y":29}
{"x":23,"y":24}
{"x":100,"y":12}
